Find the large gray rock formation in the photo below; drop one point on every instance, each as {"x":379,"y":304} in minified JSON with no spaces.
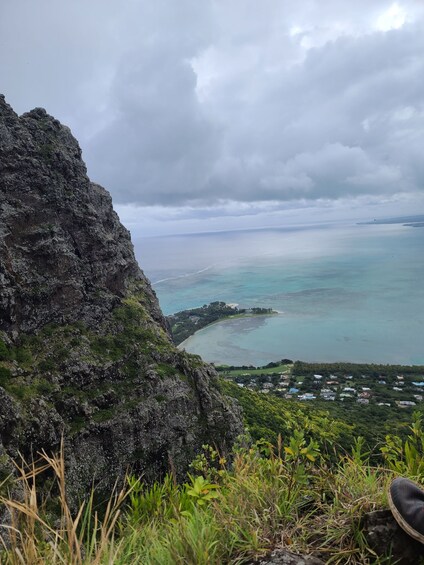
{"x":84,"y":348}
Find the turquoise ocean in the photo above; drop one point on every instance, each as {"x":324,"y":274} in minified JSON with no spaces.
{"x":344,"y":292}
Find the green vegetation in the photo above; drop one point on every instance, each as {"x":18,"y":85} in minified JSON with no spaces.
{"x":385,"y":395}
{"x":104,"y":415}
{"x":46,"y":151}
{"x":20,"y":354}
{"x":267,"y":417}
{"x":356,"y":369}
{"x":5,"y":376}
{"x":302,"y":472}
{"x":306,"y":472}
{"x":228,"y":511}
{"x":4,"y":351}
{"x":34,"y":366}
{"x":186,"y":323}
{"x":284,"y":366}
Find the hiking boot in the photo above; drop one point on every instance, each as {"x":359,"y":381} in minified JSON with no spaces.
{"x":406,"y":501}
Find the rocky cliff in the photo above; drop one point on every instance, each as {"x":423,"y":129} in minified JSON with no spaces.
{"x":84,"y":349}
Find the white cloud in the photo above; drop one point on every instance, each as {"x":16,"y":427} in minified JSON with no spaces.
{"x":192,"y":104}
{"x":392,"y":18}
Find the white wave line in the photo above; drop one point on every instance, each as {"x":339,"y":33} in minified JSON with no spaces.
{"x":185,"y":275}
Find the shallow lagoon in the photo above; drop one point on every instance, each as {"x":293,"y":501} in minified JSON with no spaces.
{"x":345,"y":292}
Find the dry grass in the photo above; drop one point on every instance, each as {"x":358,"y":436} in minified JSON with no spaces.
{"x":287,"y":497}
{"x":73,"y":539}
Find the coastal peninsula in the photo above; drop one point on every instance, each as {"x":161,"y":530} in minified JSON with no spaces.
{"x":187,"y":322}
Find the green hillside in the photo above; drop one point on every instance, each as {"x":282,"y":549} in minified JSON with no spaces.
{"x":307,"y":485}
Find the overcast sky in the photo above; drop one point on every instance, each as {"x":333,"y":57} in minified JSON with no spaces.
{"x":209,"y":114}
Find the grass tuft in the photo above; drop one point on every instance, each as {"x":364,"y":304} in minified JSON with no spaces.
{"x":289,"y":495}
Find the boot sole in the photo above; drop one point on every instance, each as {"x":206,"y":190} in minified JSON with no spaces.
{"x":402,"y":522}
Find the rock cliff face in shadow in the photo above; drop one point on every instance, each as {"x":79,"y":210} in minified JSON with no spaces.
{"x":84,"y":348}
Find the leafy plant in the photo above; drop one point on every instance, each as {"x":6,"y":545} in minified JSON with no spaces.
{"x":288,"y":493}
{"x":407,"y":457}
{"x":299,"y":454}
{"x":210,"y":464}
{"x":201,"y":491}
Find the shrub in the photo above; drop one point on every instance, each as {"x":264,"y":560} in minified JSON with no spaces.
{"x":5,"y":376}
{"x":4,"y":352}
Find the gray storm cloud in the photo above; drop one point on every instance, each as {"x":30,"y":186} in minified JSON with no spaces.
{"x":196,"y":103}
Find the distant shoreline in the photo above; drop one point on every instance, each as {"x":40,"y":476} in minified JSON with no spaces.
{"x":236,"y":317}
{"x":186,"y":323}
{"x":229,"y":318}
{"x":407,"y":221}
